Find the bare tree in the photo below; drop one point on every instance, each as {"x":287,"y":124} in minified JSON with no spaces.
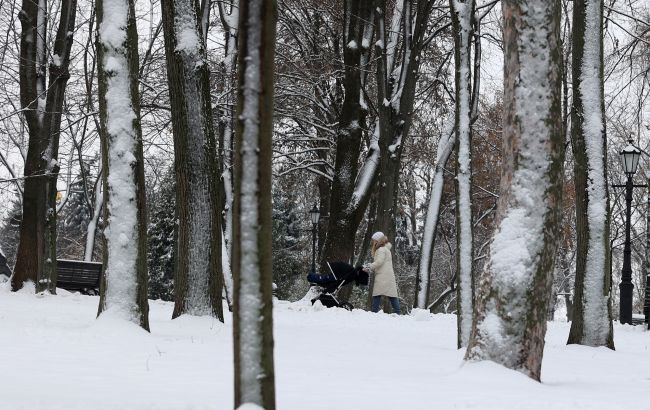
{"x":43,"y":106}
{"x":349,"y":196}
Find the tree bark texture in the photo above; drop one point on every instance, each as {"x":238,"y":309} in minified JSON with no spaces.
{"x":347,"y":206}
{"x":462,"y":18}
{"x":509,"y":324}
{"x":592,"y":323}
{"x":123,"y":288}
{"x":397,"y":72}
{"x":198,"y":277}
{"x":252,"y":264}
{"x":36,"y":256}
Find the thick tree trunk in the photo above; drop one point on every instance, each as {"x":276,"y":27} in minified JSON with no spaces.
{"x":397,"y":80}
{"x":123,"y":289}
{"x":462,"y":18}
{"x":592,"y":323}
{"x":510,"y":321}
{"x":198,"y":278}
{"x":252,"y":265}
{"x":36,"y":256}
{"x":347,"y":205}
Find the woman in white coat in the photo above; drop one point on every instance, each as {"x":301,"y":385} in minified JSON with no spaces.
{"x":382,"y":266}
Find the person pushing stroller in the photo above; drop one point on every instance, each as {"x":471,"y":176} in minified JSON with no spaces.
{"x":382,"y":266}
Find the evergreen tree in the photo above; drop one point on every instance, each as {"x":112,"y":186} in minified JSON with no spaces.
{"x":161,"y":242}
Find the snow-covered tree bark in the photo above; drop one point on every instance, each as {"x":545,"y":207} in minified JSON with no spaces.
{"x":123,"y":289}
{"x":198,"y":278}
{"x":510,"y":316}
{"x":462,"y":18}
{"x":251,"y":262}
{"x":36,"y":257}
{"x":399,"y":48}
{"x":592,"y":323}
{"x":229,"y":14}
{"x":422,"y":280}
{"x":349,"y":196}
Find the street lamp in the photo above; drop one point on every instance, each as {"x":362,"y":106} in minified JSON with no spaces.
{"x":314,"y":215}
{"x":630,"y":156}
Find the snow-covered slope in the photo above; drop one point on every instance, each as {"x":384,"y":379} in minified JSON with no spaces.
{"x":56,"y":355}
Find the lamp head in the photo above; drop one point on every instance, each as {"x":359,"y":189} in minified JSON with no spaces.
{"x":630,"y":155}
{"x":314,"y":214}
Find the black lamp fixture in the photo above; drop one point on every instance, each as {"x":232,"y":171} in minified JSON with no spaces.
{"x":630,"y":155}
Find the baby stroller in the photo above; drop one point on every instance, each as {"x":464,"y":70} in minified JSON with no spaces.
{"x":339,"y":275}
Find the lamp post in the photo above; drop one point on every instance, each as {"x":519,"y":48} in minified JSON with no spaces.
{"x":630,"y":155}
{"x":314,"y":215}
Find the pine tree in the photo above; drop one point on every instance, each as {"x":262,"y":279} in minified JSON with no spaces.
{"x":161,"y":240}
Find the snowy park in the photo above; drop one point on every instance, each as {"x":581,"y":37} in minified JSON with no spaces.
{"x":324,"y":359}
{"x":324,"y":204}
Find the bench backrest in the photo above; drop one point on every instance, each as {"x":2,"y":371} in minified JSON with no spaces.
{"x":74,"y":275}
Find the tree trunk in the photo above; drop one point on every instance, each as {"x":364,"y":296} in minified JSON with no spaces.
{"x":230,"y":20}
{"x":252,"y":265}
{"x":123,"y":288}
{"x":348,"y":204}
{"x":592,"y":323}
{"x":397,"y":80}
{"x":36,"y":256}
{"x":422,"y":279}
{"x":462,"y":18}
{"x":510,"y":317}
{"x":198,"y":277}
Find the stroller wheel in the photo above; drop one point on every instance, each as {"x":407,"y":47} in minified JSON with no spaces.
{"x":347,"y":306}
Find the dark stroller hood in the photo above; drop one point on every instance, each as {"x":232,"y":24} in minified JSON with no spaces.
{"x":340,"y":272}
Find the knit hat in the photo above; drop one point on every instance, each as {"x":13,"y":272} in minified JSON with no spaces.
{"x":377,"y":236}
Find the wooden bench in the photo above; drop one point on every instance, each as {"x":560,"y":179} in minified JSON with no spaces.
{"x":79,"y":276}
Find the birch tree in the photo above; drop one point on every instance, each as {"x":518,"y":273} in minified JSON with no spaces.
{"x":462,"y":18}
{"x":198,"y":280}
{"x":510,"y":317}
{"x":123,"y":288}
{"x":43,"y":105}
{"x":592,"y":323}
{"x":253,"y":305}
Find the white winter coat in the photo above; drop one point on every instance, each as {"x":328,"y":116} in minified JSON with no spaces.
{"x":384,"y":276}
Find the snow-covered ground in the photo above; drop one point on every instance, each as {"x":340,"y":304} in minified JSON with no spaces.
{"x":55,"y":355}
